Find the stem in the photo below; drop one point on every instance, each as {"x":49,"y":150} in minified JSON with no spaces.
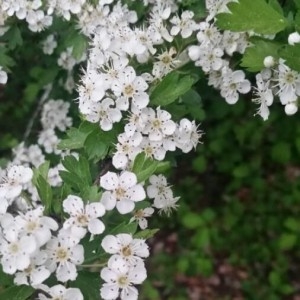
{"x":38,"y":108}
{"x":93,"y":265}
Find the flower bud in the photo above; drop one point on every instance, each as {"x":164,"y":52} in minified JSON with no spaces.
{"x":269,"y":61}
{"x":291,"y":108}
{"x":294,"y":38}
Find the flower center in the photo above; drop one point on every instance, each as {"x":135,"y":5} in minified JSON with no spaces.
{"x":123,"y":281}
{"x":166,"y":59}
{"x":156,"y":123}
{"x":128,"y":90}
{"x":120,"y":193}
{"x":139,"y":213}
{"x":82,"y":219}
{"x":233,"y":86}
{"x":14,"y":248}
{"x":289,"y":77}
{"x":126,"y":251}
{"x":62,"y":254}
{"x":31,"y":226}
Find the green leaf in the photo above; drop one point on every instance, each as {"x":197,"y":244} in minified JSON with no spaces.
{"x":42,"y":170}
{"x":146,"y":234}
{"x":287,"y":241}
{"x":88,"y":283}
{"x":253,"y":58}
{"x":291,"y":56}
{"x":77,"y":136}
{"x":292,"y":224}
{"x":124,"y":228}
{"x":144,"y":167}
{"x":192,"y":220}
{"x":21,"y":292}
{"x":252,"y":15}
{"x":297,"y":3}
{"x":5,"y":60}
{"x":13,"y":37}
{"x":171,"y":88}
{"x":45,"y":192}
{"x":78,"y":42}
{"x":94,"y":146}
{"x":281,"y":152}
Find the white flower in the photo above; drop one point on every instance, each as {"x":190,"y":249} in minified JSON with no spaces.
{"x":269,"y":61}
{"x":59,"y":292}
{"x":3,"y":76}
{"x":123,"y":191}
{"x":130,"y":87}
{"x":64,"y":253}
{"x":291,"y":108}
{"x":34,"y":223}
{"x":158,"y":187}
{"x":153,"y":149}
{"x":210,"y":58}
{"x":49,"y":44}
{"x":66,"y":60}
{"x":264,"y":96}
{"x":83,"y":218}
{"x":166,"y":204}
{"x":294,"y":38}
{"x":186,"y":25}
{"x":103,"y":112}
{"x":187,"y":135}
{"x":234,"y":83}
{"x":208,"y":34}
{"x":15,"y":250}
{"x":165,"y":63}
{"x":288,"y":83}
{"x":140,"y":215}
{"x":125,"y":246}
{"x":159,"y":124}
{"x":127,"y":149}
{"x":12,"y":185}
{"x":119,"y":278}
{"x":35,"y":273}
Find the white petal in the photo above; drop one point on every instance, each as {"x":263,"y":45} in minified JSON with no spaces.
{"x":73,"y":205}
{"x":109,"y":181}
{"x":95,"y":210}
{"x":125,"y":206}
{"x":110,"y":244}
{"x":108,"y":200}
{"x":109,"y":291}
{"x":127,"y":179}
{"x":137,"y":193}
{"x":96,"y":226}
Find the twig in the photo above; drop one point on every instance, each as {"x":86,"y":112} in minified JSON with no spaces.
{"x":41,"y":101}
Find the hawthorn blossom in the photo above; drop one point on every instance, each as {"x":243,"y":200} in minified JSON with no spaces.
{"x":140,"y":216}
{"x":263,"y":96}
{"x":122,"y":191}
{"x":119,"y":279}
{"x":129,"y":86}
{"x":288,"y":83}
{"x":3,"y":76}
{"x":234,"y":82}
{"x":59,"y":292}
{"x":15,"y":249}
{"x":64,"y":253}
{"x":125,"y":246}
{"x":35,"y":273}
{"x":184,"y":25}
{"x":83,"y":218}
{"x":34,"y":223}
{"x":159,"y":124}
{"x":14,"y":181}
{"x":103,"y":113}
{"x":49,"y":44}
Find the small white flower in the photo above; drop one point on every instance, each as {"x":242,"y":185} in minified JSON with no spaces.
{"x":185,"y":26}
{"x":64,"y":253}
{"x":140,"y":216}
{"x":291,"y":108}
{"x":15,"y":250}
{"x":103,"y":113}
{"x":60,"y":292}
{"x":294,"y":38}
{"x":269,"y":61}
{"x":263,"y":96}
{"x":83,"y":218}
{"x":159,"y":124}
{"x":234,"y":83}
{"x":125,"y":246}
{"x":122,"y":191}
{"x":119,"y":279}
{"x":49,"y":44}
{"x":130,"y":87}
{"x":3,"y":76}
{"x":34,"y":223}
